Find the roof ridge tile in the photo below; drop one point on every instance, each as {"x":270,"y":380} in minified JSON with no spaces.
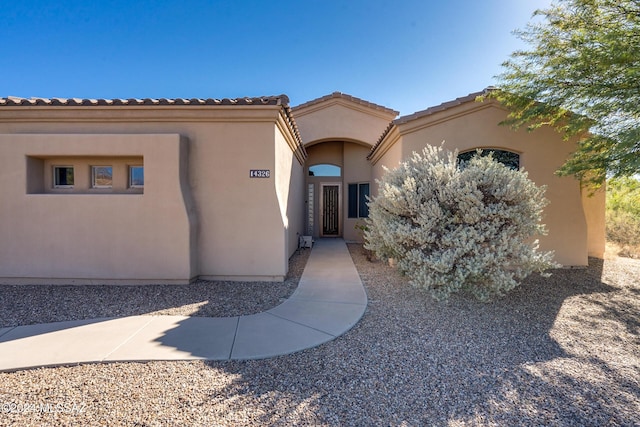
{"x":348,"y":97}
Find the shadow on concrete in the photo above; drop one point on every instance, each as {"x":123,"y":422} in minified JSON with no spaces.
{"x":14,"y":333}
{"x":329,"y":300}
{"x":412,"y":361}
{"x":35,"y":304}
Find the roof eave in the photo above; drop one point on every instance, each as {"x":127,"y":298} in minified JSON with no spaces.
{"x":13,"y":101}
{"x":444,"y":106}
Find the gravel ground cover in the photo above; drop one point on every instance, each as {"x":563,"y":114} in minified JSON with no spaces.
{"x":27,"y":305}
{"x":558,"y":351}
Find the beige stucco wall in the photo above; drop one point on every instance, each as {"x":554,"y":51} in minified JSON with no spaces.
{"x":325,"y":153}
{"x":241,"y":224}
{"x":474,"y":125}
{"x":237,"y":222}
{"x":342,"y":120}
{"x":90,"y":236}
{"x":389,"y":159}
{"x":289,"y":189}
{"x":357,"y":169}
{"x":594,"y":203}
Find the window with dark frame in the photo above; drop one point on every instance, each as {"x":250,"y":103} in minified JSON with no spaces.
{"x":63,"y":176}
{"x":507,"y":158}
{"x":358,"y":194}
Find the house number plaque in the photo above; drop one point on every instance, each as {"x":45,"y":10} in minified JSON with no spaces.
{"x":259,"y":173}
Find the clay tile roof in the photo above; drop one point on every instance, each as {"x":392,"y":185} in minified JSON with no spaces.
{"x":280,"y":100}
{"x":431,"y":110}
{"x":443,"y":106}
{"x":13,"y":101}
{"x":380,"y":139}
{"x":349,"y":98}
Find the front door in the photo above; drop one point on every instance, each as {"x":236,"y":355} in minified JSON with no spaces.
{"x":330,"y":209}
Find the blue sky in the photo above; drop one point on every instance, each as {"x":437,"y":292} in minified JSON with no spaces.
{"x":404,"y":54}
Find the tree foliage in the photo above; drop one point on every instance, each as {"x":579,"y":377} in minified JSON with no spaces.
{"x":582,"y":77}
{"x":453,"y":227}
{"x":623,"y":215}
{"x":623,"y":194}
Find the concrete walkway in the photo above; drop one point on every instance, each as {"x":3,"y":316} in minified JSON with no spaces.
{"x":329,"y":300}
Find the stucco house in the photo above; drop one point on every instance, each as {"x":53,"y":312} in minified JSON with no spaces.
{"x":168,"y":190}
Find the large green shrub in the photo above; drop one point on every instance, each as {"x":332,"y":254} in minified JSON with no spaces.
{"x":454,"y":227}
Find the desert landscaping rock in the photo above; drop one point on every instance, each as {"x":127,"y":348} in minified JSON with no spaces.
{"x":563,"y":350}
{"x":27,"y":305}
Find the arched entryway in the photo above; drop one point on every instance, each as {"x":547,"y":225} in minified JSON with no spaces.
{"x":325,"y":180}
{"x":339,"y":130}
{"x":335,"y":172}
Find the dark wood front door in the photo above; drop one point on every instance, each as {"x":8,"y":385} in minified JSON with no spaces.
{"x":330,"y":210}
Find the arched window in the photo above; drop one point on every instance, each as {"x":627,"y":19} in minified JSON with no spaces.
{"x":324,"y":170}
{"x":507,"y":158}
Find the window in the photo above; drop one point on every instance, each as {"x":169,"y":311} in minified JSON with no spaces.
{"x":310,"y":209}
{"x":63,"y":176}
{"x":136,"y":176}
{"x":358,"y":194}
{"x":507,"y":158}
{"x":324,"y":170}
{"x":101,"y":176}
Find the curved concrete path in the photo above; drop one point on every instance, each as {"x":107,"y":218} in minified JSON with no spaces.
{"x":329,"y":300}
